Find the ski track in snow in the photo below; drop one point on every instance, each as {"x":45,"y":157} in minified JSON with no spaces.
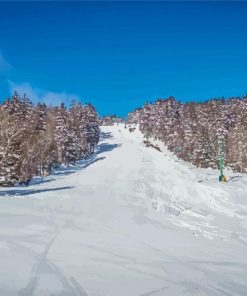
{"x":127,"y":221}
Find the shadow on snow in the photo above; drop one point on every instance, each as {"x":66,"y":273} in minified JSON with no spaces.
{"x":105,"y":135}
{"x":20,"y":192}
{"x":105,"y":147}
{"x":81,"y":164}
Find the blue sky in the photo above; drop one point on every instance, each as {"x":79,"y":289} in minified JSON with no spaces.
{"x":117,"y":55}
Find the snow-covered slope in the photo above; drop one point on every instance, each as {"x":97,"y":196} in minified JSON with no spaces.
{"x":129,"y":221}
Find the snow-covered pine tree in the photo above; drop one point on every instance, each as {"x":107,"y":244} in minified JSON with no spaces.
{"x":90,"y":127}
{"x":13,"y":131}
{"x":62,"y":133}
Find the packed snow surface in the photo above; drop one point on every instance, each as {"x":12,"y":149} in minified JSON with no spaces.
{"x":128,"y":221}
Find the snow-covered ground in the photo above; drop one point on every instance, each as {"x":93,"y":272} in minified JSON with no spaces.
{"x":129,"y":221}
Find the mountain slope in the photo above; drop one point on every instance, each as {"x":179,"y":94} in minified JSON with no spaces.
{"x":128,"y":221}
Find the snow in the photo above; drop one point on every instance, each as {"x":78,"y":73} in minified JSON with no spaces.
{"x":130,"y":220}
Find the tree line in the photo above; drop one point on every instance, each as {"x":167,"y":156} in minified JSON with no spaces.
{"x":35,"y":139}
{"x":199,"y":131}
{"x":110,"y":120}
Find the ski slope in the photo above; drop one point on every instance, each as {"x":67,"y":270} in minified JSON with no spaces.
{"x":129,"y":221}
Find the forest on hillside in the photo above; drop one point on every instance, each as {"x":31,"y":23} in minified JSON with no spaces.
{"x":34,"y":139}
{"x":199,"y":132}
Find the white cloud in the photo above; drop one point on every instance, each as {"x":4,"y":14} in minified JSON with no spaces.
{"x":40,"y":95}
{"x":4,"y":65}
